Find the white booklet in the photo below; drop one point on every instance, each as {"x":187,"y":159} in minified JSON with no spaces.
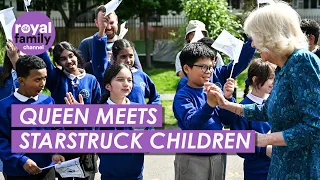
{"x":70,"y":168}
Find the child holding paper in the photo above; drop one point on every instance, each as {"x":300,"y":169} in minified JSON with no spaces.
{"x":8,"y":75}
{"x":32,"y":74}
{"x":76,"y":81}
{"x":122,"y":51}
{"x":118,"y":80}
{"x":222,"y":73}
{"x":196,"y":109}
{"x":260,"y":78}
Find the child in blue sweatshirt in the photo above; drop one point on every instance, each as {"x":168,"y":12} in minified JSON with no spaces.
{"x":195,"y":109}
{"x":222,"y":73}
{"x":70,"y":78}
{"x":118,"y":80}
{"x":8,"y":75}
{"x":32,"y":74}
{"x":122,"y":51}
{"x":260,"y":78}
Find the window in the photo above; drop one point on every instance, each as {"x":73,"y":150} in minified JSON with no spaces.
{"x":314,"y":4}
{"x":20,"y":5}
{"x":306,"y":4}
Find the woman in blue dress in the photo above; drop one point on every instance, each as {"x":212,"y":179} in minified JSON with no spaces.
{"x":293,"y":107}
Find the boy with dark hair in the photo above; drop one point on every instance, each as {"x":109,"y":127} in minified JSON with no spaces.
{"x":32,"y":74}
{"x":311,"y":28}
{"x":222,"y":73}
{"x":195,"y":109}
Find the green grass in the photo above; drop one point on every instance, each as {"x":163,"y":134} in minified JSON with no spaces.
{"x":168,"y":117}
{"x":164,"y":78}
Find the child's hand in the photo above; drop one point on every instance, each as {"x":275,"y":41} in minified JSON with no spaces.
{"x":57,"y":158}
{"x":12,"y":51}
{"x":211,"y":99}
{"x":102,"y":25}
{"x":70,"y":99}
{"x":31,"y":167}
{"x":228,"y":88}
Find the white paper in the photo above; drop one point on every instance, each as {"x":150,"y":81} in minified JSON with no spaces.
{"x":123,"y":30}
{"x":27,"y":2}
{"x":7,"y":19}
{"x":197,"y":35}
{"x":112,"y":6}
{"x":70,"y":168}
{"x":229,"y":45}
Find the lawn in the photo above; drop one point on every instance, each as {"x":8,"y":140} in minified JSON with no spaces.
{"x":166,"y":82}
{"x":168,"y":118}
{"x":164,"y":78}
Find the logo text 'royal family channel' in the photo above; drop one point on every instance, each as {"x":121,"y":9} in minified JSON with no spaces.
{"x":33,"y":33}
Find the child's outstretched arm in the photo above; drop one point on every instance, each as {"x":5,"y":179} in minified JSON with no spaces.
{"x":99,"y":53}
{"x":247,"y":52}
{"x":52,"y":73}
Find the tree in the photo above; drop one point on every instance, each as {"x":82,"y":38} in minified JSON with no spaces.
{"x":215,"y":14}
{"x":144,"y":9}
{"x":75,"y":10}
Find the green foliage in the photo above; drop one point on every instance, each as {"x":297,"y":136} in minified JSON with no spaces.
{"x":139,"y":8}
{"x":2,"y":45}
{"x":215,"y":14}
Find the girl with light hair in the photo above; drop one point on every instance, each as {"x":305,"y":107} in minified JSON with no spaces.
{"x":292,"y":108}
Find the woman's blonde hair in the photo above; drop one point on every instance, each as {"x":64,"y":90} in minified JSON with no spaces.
{"x":275,"y":28}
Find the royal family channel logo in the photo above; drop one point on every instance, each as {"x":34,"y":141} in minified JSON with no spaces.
{"x":33,"y":33}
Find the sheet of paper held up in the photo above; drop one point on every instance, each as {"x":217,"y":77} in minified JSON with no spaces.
{"x":7,"y":19}
{"x":70,"y":168}
{"x":197,"y":35}
{"x":229,"y":45}
{"x":112,"y":6}
{"x":27,"y":2}
{"x":123,"y":30}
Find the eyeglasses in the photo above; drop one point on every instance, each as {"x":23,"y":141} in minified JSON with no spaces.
{"x":205,"y":68}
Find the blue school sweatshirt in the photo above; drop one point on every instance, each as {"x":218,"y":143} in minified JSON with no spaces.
{"x":192,"y":111}
{"x":255,"y":165}
{"x":143,"y":86}
{"x":9,"y":87}
{"x":59,"y":84}
{"x":121,"y":166}
{"x":85,"y":48}
{"x":13,"y":162}
{"x":222,"y":73}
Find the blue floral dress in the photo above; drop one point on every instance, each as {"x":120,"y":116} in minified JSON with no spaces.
{"x":293,"y":108}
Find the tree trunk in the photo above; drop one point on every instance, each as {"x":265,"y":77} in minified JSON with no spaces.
{"x":146,"y":37}
{"x":49,"y":8}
